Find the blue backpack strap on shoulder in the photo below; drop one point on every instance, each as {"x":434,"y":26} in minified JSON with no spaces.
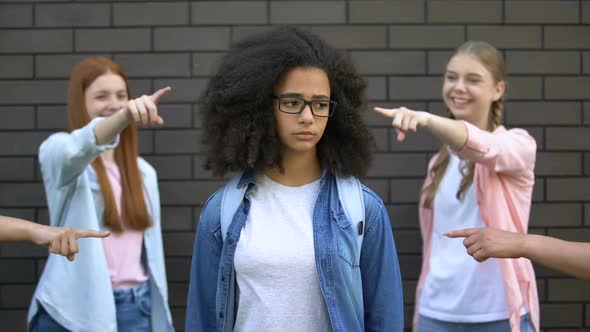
{"x":350,"y":194}
{"x":230,"y":201}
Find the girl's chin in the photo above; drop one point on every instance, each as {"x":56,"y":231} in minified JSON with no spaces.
{"x":459,"y":114}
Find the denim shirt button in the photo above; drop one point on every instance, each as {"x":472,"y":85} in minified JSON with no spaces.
{"x":230,"y":241}
{"x":223,"y":279}
{"x":220,"y":314}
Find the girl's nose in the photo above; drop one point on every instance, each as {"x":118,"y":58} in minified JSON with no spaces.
{"x":306,"y":116}
{"x":116,"y":103}
{"x":460,"y":85}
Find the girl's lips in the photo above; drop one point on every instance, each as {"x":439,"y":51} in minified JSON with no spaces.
{"x":304,"y":135}
{"x":459,"y":102}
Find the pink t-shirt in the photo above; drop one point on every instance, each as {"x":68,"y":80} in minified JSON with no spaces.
{"x":123,"y":250}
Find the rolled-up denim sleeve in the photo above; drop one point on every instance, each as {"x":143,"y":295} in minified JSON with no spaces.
{"x":381,"y":276}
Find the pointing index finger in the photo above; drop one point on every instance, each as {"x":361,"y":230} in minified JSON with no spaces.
{"x":462,"y":233}
{"x":158,"y":94}
{"x":81,"y":233}
{"x":385,"y":111}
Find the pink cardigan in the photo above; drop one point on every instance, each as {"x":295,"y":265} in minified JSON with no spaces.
{"x":504,"y":178}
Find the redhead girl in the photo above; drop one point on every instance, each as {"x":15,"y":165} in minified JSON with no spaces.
{"x":94,"y":179}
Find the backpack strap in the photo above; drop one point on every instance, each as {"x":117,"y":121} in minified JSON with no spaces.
{"x":230,"y":201}
{"x":350,"y":194}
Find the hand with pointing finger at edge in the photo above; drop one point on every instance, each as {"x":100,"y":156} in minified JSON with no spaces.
{"x":404,"y":120}
{"x":143,"y":110}
{"x":483,"y":243}
{"x":62,"y":240}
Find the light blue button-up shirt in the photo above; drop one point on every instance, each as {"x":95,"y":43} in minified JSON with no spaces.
{"x":78,"y":294}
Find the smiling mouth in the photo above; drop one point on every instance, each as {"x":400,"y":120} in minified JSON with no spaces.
{"x":459,"y":102}
{"x":106,"y":114}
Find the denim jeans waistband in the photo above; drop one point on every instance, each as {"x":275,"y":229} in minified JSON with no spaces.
{"x":133,"y":293}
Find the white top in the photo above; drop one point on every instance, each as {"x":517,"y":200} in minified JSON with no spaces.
{"x":275,"y":262}
{"x":458,"y":288}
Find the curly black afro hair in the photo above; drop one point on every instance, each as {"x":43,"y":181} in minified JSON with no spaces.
{"x":239,"y":128}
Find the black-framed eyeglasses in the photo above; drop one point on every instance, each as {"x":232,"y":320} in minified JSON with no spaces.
{"x":322,"y":108}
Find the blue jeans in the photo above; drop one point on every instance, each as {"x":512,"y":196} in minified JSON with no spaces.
{"x":134,"y":306}
{"x":426,"y":324}
{"x":42,"y":322}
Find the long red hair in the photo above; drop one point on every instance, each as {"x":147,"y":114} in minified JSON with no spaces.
{"x":133,"y":206}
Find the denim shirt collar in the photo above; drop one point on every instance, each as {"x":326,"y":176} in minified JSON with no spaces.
{"x":248,"y":178}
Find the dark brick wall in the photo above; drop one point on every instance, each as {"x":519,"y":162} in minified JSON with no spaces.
{"x":399,"y":46}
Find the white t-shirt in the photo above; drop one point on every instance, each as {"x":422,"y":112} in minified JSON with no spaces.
{"x":275,"y":262}
{"x":458,"y":288}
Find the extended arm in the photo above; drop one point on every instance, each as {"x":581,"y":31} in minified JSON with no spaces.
{"x":142,"y":110}
{"x":59,"y":240}
{"x":569,"y":257}
{"x":450,"y":132}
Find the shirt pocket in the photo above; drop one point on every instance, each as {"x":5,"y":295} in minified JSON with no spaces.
{"x":346,"y":239}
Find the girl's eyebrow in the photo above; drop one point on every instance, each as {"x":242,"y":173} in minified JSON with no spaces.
{"x":468,"y":74}
{"x":107,"y":91}
{"x":294,"y":94}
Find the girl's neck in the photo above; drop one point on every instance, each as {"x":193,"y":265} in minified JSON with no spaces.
{"x":108,"y":155}
{"x":299,"y":169}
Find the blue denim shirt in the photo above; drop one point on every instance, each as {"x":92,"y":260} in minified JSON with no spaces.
{"x":363,"y":295}
{"x":79,"y":294}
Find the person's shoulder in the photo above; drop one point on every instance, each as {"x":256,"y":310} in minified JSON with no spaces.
{"x":519,"y":131}
{"x":211,"y":212}
{"x":370,"y":196}
{"x":374,"y":209}
{"x":518,"y":135}
{"x":209,"y":219}
{"x":513,"y":131}
{"x":214,"y":201}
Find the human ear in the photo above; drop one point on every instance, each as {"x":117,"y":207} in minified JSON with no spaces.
{"x":499,"y":90}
